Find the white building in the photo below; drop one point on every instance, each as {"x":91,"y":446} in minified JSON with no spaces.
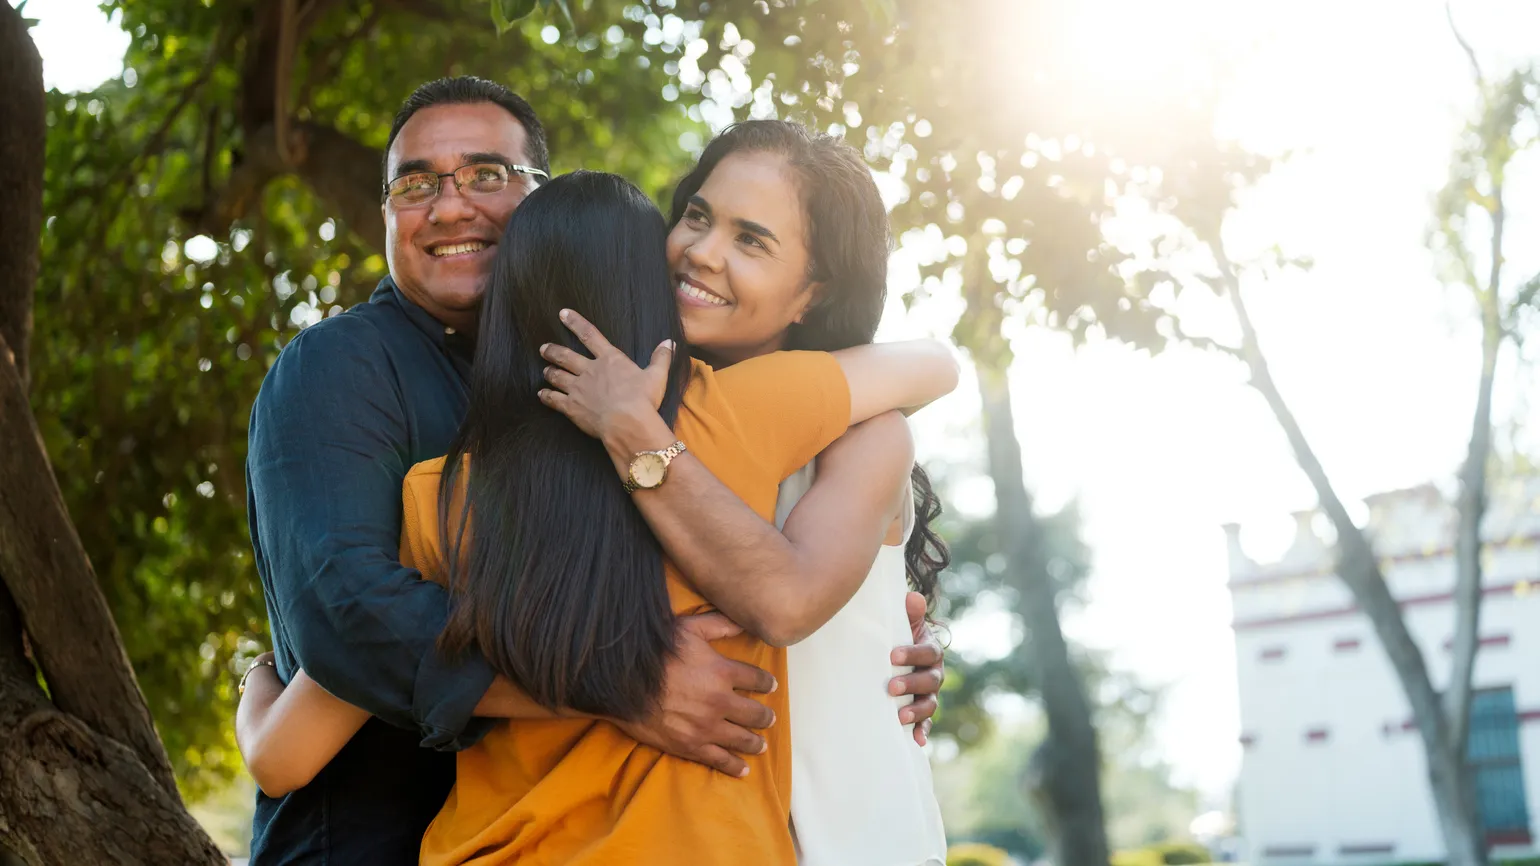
{"x":1333,"y":771}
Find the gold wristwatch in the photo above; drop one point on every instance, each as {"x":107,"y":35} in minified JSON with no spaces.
{"x":650,"y":468}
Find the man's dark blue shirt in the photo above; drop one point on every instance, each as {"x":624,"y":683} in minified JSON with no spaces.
{"x":351,"y":404}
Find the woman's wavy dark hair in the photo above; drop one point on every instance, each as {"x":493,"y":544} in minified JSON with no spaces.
{"x":562,"y":588}
{"x":848,"y":245}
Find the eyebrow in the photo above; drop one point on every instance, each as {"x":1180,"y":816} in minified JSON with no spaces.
{"x":412,"y":166}
{"x":749,"y":226}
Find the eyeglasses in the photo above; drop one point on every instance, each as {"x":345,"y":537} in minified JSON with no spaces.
{"x":478,"y":178}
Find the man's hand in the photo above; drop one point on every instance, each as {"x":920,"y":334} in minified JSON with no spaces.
{"x":701,"y":717}
{"x":928,"y":661}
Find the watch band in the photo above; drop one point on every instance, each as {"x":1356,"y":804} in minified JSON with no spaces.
{"x":668,"y":454}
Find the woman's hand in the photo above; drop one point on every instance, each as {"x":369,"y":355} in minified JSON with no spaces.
{"x":929,"y":663}
{"x":608,"y":396}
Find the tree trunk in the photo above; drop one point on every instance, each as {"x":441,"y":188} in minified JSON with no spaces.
{"x":1066,"y":770}
{"x":83,"y":777}
{"x":1449,"y":774}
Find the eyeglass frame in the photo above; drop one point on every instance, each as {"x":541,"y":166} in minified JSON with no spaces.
{"x":510,"y":167}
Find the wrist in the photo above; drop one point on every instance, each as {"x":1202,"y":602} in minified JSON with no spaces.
{"x":636,"y":434}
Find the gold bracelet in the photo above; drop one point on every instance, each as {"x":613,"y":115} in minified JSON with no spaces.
{"x":240,"y":688}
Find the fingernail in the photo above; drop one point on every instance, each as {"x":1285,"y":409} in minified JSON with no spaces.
{"x":895,"y":688}
{"x":763,"y":748}
{"x":906,"y":716}
{"x":743,"y":772}
{"x":565,"y":315}
{"x":669,"y":345}
{"x":542,"y":394}
{"x":774,"y":684}
{"x":895,"y":658}
{"x":926,"y":730}
{"x":543,"y":347}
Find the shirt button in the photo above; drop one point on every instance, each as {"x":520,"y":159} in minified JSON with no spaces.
{"x":449,"y":331}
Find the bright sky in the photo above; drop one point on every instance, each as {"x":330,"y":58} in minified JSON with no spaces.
{"x":1161,"y":452}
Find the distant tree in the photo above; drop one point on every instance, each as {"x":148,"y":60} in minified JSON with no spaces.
{"x":1199,"y":185}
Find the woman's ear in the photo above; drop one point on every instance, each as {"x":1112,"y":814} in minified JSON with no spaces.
{"x":812,"y":298}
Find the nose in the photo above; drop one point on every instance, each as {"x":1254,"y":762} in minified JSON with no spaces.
{"x":706,"y":252}
{"x":451,"y":206}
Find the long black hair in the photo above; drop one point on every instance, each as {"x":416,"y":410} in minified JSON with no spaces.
{"x":562,"y":589}
{"x":848,"y":245}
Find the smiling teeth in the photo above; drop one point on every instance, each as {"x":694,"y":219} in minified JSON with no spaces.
{"x":690,"y":291}
{"x":456,"y":249}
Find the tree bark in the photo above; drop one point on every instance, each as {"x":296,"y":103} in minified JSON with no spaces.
{"x":1066,"y":769}
{"x":83,"y":777}
{"x":1472,"y":504}
{"x":1449,"y":774}
{"x":342,"y":171}
{"x":21,"y":181}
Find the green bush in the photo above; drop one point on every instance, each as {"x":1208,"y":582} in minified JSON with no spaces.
{"x":976,"y":854}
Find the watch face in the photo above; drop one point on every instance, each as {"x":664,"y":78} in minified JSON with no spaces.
{"x":647,"y":470}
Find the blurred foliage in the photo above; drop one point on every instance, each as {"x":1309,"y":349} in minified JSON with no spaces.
{"x":152,"y":339}
{"x":985,"y":797}
{"x":171,"y":277}
{"x":973,"y":583}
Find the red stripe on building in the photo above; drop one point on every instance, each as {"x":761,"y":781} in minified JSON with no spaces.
{"x":1496,"y":640}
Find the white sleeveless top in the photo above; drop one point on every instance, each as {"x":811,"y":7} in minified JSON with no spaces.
{"x":861,"y":791}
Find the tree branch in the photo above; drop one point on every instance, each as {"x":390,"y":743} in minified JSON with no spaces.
{"x":1470,"y":53}
{"x":1525,"y":297}
{"x":342,"y":171}
{"x":1471,"y":506}
{"x":1356,"y":563}
{"x":1206,"y":343}
{"x":74,"y":639}
{"x":21,"y":183}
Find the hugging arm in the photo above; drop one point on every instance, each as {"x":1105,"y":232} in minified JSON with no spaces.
{"x":779,"y":587}
{"x":287,"y":734}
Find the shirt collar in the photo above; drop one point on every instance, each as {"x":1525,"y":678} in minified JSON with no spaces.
{"x":443,"y":336}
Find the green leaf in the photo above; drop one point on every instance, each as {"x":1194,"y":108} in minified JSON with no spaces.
{"x":506,"y":13}
{"x":565,"y":11}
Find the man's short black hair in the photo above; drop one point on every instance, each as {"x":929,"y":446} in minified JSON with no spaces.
{"x":469,"y":90}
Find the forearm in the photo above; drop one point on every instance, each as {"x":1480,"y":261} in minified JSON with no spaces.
{"x":905,"y":376}
{"x":287,"y":735}
{"x":379,"y":653}
{"x":733,"y":557}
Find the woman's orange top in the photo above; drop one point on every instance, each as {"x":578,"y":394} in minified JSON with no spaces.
{"x":571,"y":791}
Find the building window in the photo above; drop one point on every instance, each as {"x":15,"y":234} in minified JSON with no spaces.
{"x":1493,"y":750}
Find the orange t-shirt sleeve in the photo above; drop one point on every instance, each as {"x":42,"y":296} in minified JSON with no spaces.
{"x":419,"y":523}
{"x":789,"y":406}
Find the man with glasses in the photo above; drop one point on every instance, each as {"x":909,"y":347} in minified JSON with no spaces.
{"x":351,"y":404}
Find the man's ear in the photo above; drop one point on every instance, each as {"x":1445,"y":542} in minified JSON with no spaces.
{"x":812,"y":299}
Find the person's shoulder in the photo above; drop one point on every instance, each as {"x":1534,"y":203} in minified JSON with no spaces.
{"x":427,"y":472}
{"x":335,"y":351}
{"x":360,"y":329}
